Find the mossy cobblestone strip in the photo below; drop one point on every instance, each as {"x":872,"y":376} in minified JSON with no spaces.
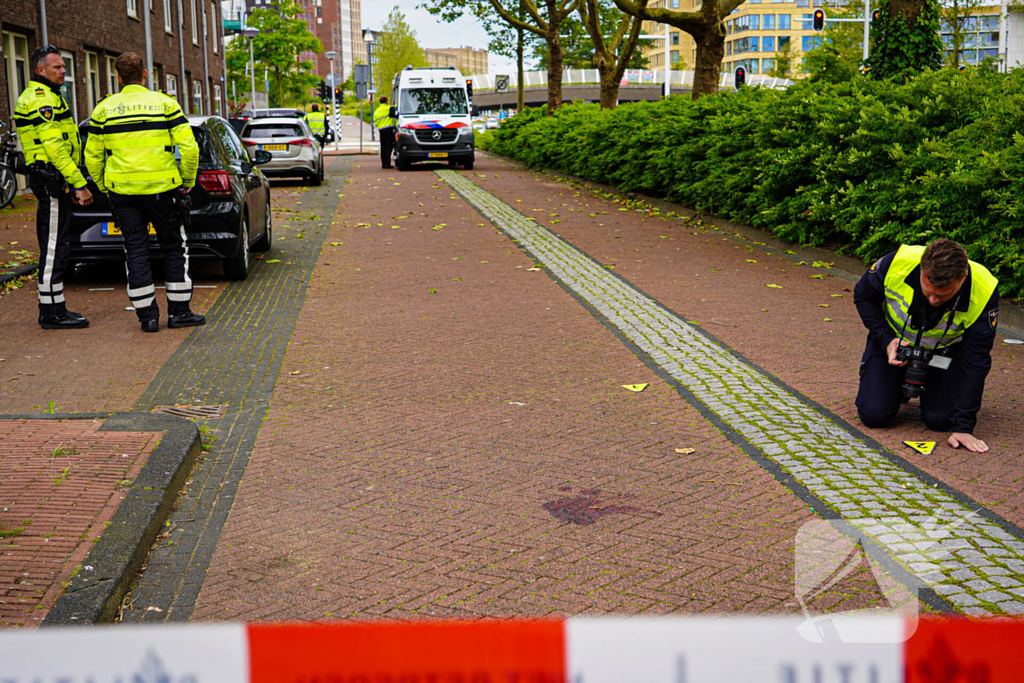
{"x":234,"y":359}
{"x":930,"y":532}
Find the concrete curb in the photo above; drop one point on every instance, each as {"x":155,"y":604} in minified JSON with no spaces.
{"x":1011,"y":315}
{"x":95,"y":594}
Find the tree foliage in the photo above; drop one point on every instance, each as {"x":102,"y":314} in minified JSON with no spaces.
{"x":861,"y":166}
{"x":282,"y":38}
{"x":395,"y":49}
{"x":840,"y":55}
{"x":957,"y":16}
{"x":906,"y":39}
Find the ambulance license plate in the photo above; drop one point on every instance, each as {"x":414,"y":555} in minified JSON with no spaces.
{"x":437,"y":155}
{"x":274,"y":148}
{"x":111,"y":230}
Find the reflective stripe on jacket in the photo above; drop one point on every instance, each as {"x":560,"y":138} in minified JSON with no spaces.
{"x":382,"y":117}
{"x":48,"y":131}
{"x":899,"y":296}
{"x":317,"y":121}
{"x":130,"y":149}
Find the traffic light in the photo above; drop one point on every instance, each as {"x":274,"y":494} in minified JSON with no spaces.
{"x":876,"y":15}
{"x":469,"y":88}
{"x":321,"y":91}
{"x":963,"y":68}
{"x":741,"y":77}
{"x":339,"y":96}
{"x":818,"y":20}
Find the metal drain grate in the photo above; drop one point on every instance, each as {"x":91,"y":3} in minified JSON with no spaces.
{"x":193,"y":412}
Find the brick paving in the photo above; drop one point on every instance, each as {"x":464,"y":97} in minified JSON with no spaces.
{"x":450,"y":438}
{"x":931,"y":533}
{"x":60,"y":483}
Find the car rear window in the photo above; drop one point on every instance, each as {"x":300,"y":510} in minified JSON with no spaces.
{"x":272,"y":130}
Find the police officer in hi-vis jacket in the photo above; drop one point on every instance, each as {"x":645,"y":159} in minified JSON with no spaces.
{"x":53,"y":152}
{"x":130,"y":156}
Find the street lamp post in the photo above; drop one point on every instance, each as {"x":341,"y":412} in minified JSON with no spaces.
{"x":369,"y":37}
{"x":331,"y":56}
{"x":251,"y":33}
{"x":667,"y":90}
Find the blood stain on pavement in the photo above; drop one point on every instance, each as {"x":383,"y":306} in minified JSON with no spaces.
{"x":590,"y":506}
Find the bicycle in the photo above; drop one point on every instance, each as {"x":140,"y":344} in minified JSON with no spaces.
{"x":9,"y":163}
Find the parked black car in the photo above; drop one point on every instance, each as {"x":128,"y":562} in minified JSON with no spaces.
{"x":230,"y":206}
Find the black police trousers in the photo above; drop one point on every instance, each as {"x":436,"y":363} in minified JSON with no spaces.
{"x":134,"y":213}
{"x":387,"y":145}
{"x":881,"y":390}
{"x":53,"y":218}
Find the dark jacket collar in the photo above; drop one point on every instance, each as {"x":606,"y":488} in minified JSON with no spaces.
{"x":47,"y":82}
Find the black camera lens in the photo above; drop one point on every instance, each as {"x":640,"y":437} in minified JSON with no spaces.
{"x":917,"y":370}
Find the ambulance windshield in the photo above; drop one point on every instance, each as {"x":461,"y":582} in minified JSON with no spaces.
{"x":419,"y":101}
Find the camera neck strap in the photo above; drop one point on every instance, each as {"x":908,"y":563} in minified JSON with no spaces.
{"x":920,"y":331}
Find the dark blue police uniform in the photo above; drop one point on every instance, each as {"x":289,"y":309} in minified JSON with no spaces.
{"x":952,"y":398}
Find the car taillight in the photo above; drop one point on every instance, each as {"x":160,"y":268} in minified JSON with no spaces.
{"x":248,"y":142}
{"x":304,"y":142}
{"x":215,"y":183}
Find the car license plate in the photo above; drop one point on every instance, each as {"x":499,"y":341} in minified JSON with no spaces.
{"x":111,"y":230}
{"x":274,"y":148}
{"x":437,"y":155}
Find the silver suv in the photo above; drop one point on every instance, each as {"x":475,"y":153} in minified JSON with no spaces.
{"x":293,"y":146}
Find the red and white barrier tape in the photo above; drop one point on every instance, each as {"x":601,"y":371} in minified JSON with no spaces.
{"x":577,"y":650}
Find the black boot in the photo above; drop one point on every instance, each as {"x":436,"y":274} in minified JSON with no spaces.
{"x":187,"y":319}
{"x":150,"y":325}
{"x":65,"y":320}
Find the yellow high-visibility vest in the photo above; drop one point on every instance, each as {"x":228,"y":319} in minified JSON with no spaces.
{"x":899,"y":295}
{"x":48,"y":131}
{"x":317,"y":121}
{"x":132,"y":136}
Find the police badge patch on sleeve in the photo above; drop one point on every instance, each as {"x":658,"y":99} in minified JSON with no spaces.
{"x":874,"y":266}
{"x":46,"y":113}
{"x":993,"y":317}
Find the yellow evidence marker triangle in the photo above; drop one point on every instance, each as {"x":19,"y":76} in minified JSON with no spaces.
{"x":634,"y":387}
{"x":922,"y":447}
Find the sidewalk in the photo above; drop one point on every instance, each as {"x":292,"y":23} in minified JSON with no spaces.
{"x":60,"y":483}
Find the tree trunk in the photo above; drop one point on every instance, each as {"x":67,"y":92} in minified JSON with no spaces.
{"x":609,"y":87}
{"x":707,"y":71}
{"x":555,"y":56}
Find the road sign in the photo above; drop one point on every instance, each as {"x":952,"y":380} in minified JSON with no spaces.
{"x":361,"y":90}
{"x":333,"y":80}
{"x":361,"y":73}
{"x":501,"y":83}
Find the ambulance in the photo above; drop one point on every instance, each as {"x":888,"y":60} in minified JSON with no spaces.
{"x":434,"y":114}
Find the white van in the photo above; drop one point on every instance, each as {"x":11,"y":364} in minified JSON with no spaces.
{"x":434,"y":116}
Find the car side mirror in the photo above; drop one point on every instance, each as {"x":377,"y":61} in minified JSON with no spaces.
{"x":262,"y":156}
{"x":474,"y":111}
{"x":393,"y":112}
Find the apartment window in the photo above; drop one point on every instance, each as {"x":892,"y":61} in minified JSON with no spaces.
{"x":755,"y":22}
{"x":216,"y":100}
{"x":172,"y":85}
{"x":783,"y":43}
{"x":674,"y":56}
{"x":783,"y":22}
{"x":133,"y":10}
{"x":806,"y":23}
{"x":15,"y":48}
{"x":92,"y":79}
{"x":754,"y":47}
{"x":755,"y":66}
{"x":767,"y":64}
{"x":768,"y":44}
{"x":675,"y":4}
{"x":216,"y":25}
{"x":675,"y":38}
{"x":728,"y":49}
{"x":197,"y":98}
{"x":68,"y":89}
{"x":810,"y":42}
{"x":768,"y":22}
{"x":167,"y":17}
{"x":195,"y":23}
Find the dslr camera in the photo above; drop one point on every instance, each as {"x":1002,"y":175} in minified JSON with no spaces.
{"x":917,"y":368}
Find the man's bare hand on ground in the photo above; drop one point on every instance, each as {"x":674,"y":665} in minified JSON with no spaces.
{"x":968,"y":441}
{"x":83,"y":197}
{"x":891,"y":351}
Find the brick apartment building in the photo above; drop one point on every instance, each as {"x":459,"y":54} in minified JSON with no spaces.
{"x":186,"y":37}
{"x":469,"y":61}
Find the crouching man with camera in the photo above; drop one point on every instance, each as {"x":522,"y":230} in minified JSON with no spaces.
{"x":931,"y":316}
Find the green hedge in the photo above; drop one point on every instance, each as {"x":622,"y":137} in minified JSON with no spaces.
{"x":859,"y":167}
